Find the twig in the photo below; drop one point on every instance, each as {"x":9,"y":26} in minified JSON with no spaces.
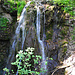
{"x":60,"y":67}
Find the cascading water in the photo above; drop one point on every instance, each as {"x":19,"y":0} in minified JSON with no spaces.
{"x":22,"y":24}
{"x":51,"y":51}
{"x":17,"y":37}
{"x":40,"y":41}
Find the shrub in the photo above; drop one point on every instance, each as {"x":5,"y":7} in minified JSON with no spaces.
{"x":23,"y":62}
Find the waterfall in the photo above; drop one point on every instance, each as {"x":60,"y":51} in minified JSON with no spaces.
{"x":16,"y":38}
{"x":40,"y":41}
{"x":22,"y":25}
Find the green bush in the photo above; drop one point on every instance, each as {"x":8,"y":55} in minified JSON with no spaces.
{"x":23,"y":62}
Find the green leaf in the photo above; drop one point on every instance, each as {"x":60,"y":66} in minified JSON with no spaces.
{"x":29,"y":65}
{"x":25,"y":53}
{"x":27,"y":59}
{"x":33,"y":56}
{"x":5,"y":69}
{"x":30,"y":53}
{"x":37,"y":62}
{"x":38,"y":73}
{"x":14,"y":63}
{"x":26,"y":63}
{"x":41,"y":68}
{"x":19,"y":67}
{"x":51,"y":58}
{"x":46,"y":63}
{"x":33,"y":72}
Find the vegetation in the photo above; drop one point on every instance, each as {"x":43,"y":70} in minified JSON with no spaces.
{"x":25,"y":59}
{"x":32,"y":2}
{"x":3,"y":23}
{"x":24,"y":62}
{"x":20,"y":6}
{"x":15,"y":5}
{"x":69,"y":6}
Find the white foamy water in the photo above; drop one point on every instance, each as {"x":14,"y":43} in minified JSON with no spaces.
{"x":40,"y":41}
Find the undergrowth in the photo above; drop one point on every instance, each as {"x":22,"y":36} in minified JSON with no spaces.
{"x":25,"y":62}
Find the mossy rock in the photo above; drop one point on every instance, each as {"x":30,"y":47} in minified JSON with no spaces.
{"x":3,"y":23}
{"x":5,"y":29}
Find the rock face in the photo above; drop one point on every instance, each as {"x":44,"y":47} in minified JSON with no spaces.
{"x":55,"y":42}
{"x":6,"y":30}
{"x":70,"y":53}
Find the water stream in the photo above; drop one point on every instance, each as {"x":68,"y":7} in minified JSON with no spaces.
{"x":39,"y":40}
{"x":17,"y":38}
{"x":22,"y":25}
{"x":39,"y":36}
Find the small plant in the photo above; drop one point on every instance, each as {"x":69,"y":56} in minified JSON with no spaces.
{"x":7,"y":70}
{"x":24,"y":62}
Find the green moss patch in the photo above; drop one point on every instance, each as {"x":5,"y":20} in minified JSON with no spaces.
{"x":11,"y":6}
{"x":3,"y":23}
{"x":32,"y":2}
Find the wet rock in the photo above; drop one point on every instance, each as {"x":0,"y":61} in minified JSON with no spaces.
{"x":1,"y":11}
{"x":6,"y":30}
{"x":8,"y":16}
{"x":71,"y":62}
{"x":69,"y":59}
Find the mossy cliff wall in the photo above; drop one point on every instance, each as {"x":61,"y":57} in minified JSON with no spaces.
{"x":7,"y":27}
{"x":56,"y":41}
{"x":56,"y":37}
{"x":57,"y":34}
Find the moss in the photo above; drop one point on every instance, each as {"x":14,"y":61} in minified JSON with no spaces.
{"x":20,"y":6}
{"x":12,"y":6}
{"x":73,"y":42}
{"x":64,"y":30}
{"x":28,"y":8}
{"x":65,"y":49}
{"x":49,"y":34}
{"x":3,"y":23}
{"x":47,"y":12}
{"x":50,"y":2}
{"x":32,"y":2}
{"x":6,"y":31}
